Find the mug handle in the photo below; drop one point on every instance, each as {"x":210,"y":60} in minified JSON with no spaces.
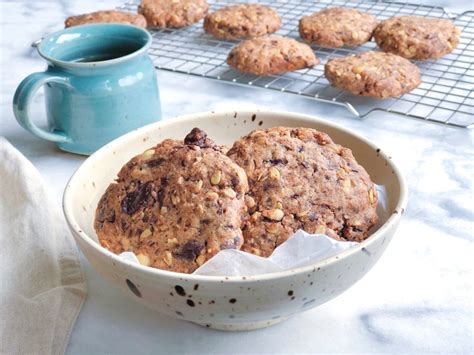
{"x":21,"y":102}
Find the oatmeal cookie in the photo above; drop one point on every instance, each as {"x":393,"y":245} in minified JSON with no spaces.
{"x":173,"y":13}
{"x":109,"y":16}
{"x":338,"y":26}
{"x":300,"y":179}
{"x":175,"y":206}
{"x":271,"y":55}
{"x":416,"y":37}
{"x":242,"y":21}
{"x":376,"y":74}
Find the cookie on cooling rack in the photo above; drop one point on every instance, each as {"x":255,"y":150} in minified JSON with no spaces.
{"x":337,"y":26}
{"x":108,"y":16}
{"x":175,"y":205}
{"x":376,"y":74}
{"x":271,"y":54}
{"x":242,"y":21}
{"x":415,"y":37}
{"x":173,"y":13}
{"x":300,"y":179}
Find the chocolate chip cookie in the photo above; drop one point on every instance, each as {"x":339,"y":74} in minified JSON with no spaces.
{"x":338,"y":26}
{"x":417,"y":37}
{"x":271,"y":54}
{"x":242,"y":21}
{"x":175,"y":205}
{"x":109,"y":16}
{"x":376,"y":74}
{"x":300,"y":179}
{"x":173,"y":13}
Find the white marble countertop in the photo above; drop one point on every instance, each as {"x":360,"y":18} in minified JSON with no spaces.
{"x":418,"y":298}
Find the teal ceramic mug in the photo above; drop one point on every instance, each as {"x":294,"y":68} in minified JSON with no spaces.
{"x":99,"y":84}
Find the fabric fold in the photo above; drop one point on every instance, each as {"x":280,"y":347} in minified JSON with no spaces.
{"x":42,"y":285}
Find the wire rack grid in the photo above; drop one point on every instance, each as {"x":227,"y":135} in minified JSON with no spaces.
{"x":445,"y":96}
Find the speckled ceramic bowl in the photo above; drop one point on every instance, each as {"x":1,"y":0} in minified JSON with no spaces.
{"x":228,"y":303}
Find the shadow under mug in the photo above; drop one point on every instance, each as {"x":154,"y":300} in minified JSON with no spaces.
{"x":99,"y":84}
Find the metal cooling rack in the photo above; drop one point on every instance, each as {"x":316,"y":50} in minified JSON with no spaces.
{"x":445,"y":96}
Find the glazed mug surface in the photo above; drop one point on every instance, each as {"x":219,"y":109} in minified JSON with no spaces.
{"x":99,"y":84}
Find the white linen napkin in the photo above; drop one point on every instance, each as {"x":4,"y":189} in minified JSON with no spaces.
{"x":42,"y":286}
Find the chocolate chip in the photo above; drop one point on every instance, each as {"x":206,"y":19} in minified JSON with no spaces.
{"x":237,"y":240}
{"x":196,"y":286}
{"x":254,"y":116}
{"x":155,"y":162}
{"x":161,"y":192}
{"x":276,"y":161}
{"x":106,"y":214}
{"x":198,"y":137}
{"x":234,"y":181}
{"x":134,"y":200}
{"x":191,"y":249}
{"x":190,"y":303}
{"x":232,"y":300}
{"x":290,"y":293}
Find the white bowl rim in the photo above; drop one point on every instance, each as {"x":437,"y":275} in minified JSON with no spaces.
{"x":393,"y":219}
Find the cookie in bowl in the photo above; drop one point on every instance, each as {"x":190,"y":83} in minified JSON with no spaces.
{"x":175,"y":205}
{"x":107,"y":16}
{"x":300,"y":179}
{"x":271,"y":54}
{"x":416,"y":37}
{"x":337,"y":26}
{"x":375,"y":74}
{"x":242,"y":21}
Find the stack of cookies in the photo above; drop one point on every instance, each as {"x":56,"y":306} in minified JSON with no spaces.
{"x":375,"y":74}
{"x":179,"y":203}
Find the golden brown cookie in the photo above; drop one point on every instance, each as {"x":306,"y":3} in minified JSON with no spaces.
{"x":109,"y":16}
{"x":376,"y":74}
{"x":173,"y":13}
{"x":271,"y":55}
{"x":175,"y":206}
{"x":242,"y":21}
{"x":338,"y":26}
{"x":300,"y":179}
{"x":416,"y":37}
